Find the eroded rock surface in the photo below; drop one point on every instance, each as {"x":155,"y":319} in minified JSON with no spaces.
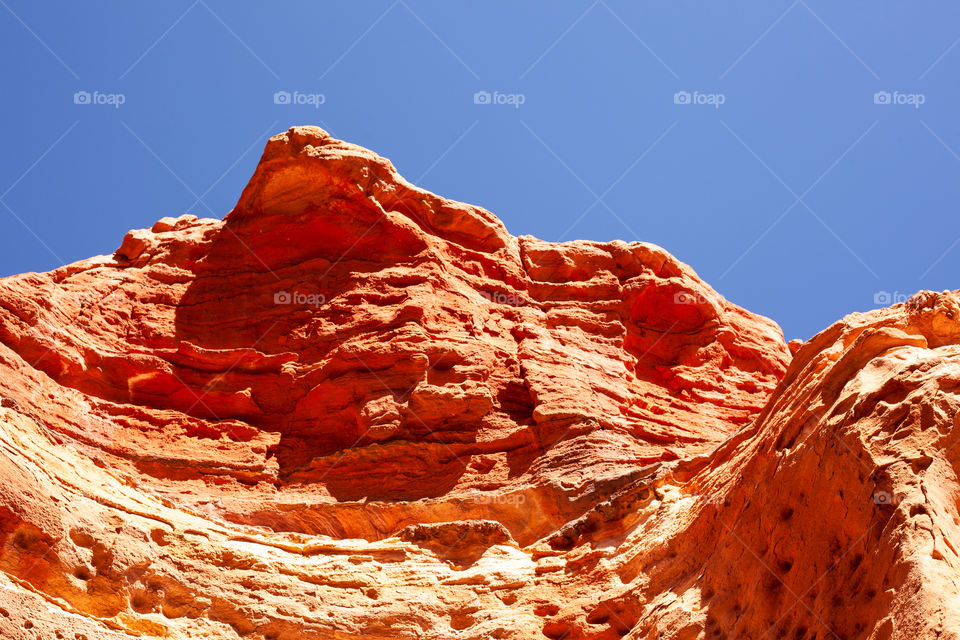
{"x":355,"y":409}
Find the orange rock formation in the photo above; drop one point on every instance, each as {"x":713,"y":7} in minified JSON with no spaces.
{"x":355,"y":409}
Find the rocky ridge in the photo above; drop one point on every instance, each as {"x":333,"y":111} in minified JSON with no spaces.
{"x":353,"y":408}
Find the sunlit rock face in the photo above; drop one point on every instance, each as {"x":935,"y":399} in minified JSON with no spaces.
{"x":355,"y":409}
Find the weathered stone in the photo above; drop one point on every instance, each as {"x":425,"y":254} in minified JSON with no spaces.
{"x":356,"y":409}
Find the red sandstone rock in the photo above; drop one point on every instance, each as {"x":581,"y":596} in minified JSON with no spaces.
{"x":354,"y":409}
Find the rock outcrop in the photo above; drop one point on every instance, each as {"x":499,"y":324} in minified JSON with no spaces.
{"x":355,"y":409}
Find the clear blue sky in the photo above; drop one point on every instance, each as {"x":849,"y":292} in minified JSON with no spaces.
{"x":798,"y":197}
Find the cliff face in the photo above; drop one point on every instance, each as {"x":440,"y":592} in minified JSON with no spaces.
{"x":355,"y":409}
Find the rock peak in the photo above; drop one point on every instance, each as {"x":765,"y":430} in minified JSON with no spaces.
{"x":357,"y":409}
{"x":304,"y":169}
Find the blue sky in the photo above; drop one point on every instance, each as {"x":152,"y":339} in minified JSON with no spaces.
{"x":801,"y":196}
